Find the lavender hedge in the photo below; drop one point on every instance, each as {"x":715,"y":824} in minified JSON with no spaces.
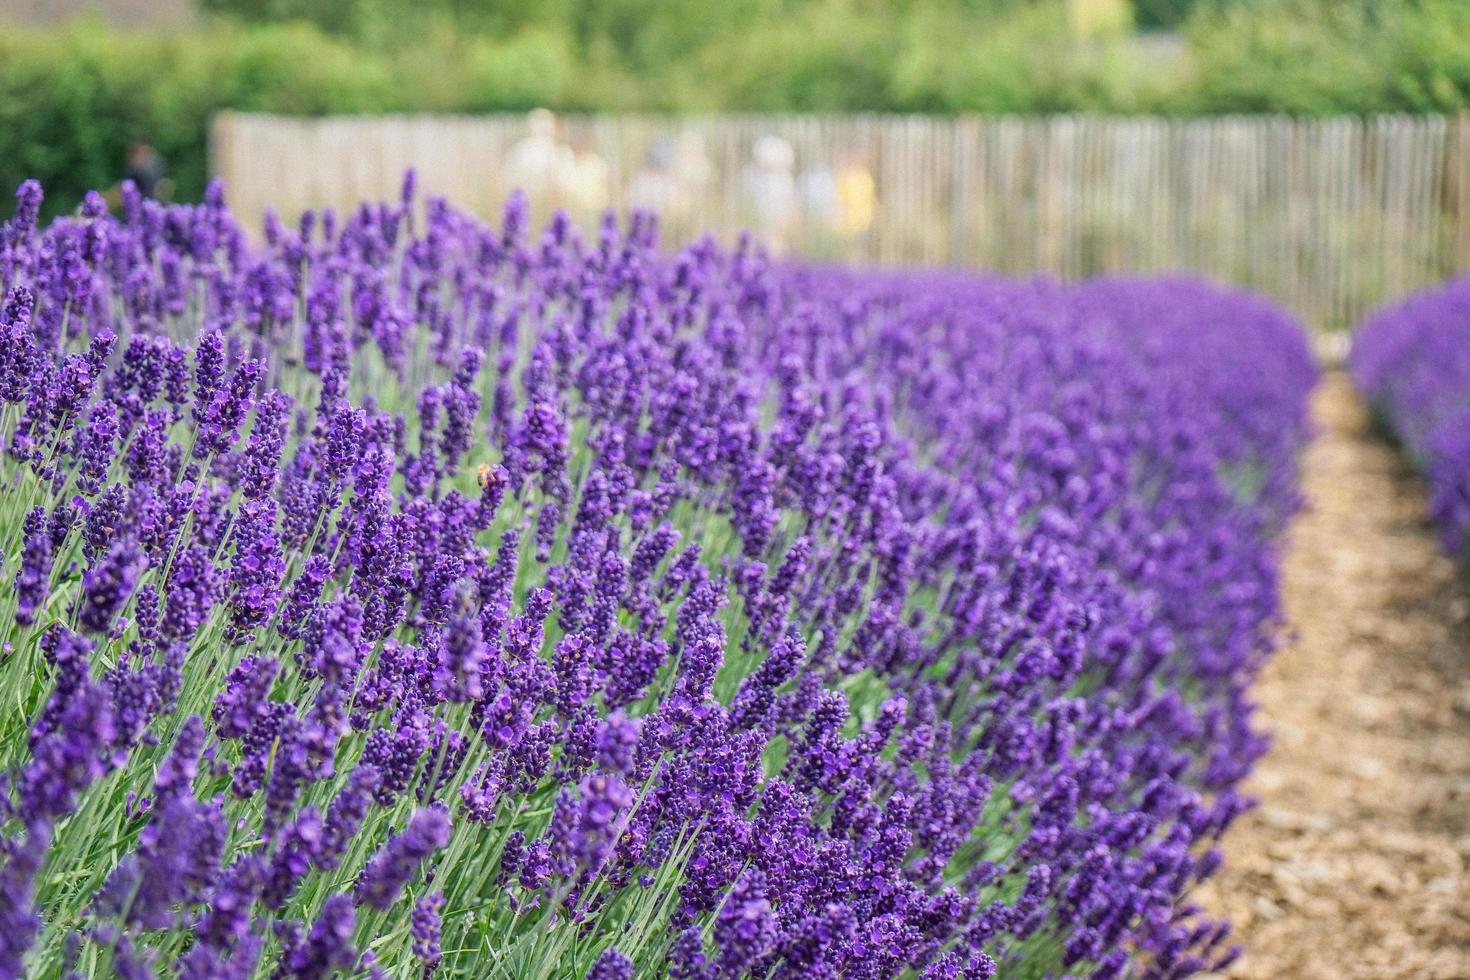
{"x":1412,"y":362}
{"x":405,"y":595}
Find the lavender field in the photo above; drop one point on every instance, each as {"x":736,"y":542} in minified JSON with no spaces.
{"x":400,"y":595}
{"x":1412,"y":361}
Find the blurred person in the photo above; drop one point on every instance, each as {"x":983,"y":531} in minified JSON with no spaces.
{"x":816,"y":189}
{"x":654,"y":187}
{"x":857,"y":195}
{"x":816,"y":195}
{"x":770,"y":190}
{"x":145,"y":168}
{"x":537,"y":160}
{"x":583,"y":181}
{"x":692,"y":169}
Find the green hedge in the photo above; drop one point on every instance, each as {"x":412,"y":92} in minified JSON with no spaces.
{"x":1325,"y":57}
{"x":71,"y":99}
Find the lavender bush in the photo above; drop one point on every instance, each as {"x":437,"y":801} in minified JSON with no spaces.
{"x":405,"y":595}
{"x":1412,"y":362}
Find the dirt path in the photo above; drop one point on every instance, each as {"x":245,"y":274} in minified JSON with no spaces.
{"x":1357,"y":862}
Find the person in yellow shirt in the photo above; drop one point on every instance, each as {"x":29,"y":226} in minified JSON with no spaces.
{"x":857,"y":196}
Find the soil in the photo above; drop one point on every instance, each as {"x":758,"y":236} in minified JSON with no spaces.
{"x":1356,"y":863}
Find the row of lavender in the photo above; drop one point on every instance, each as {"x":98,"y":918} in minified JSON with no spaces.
{"x":1412,"y":362}
{"x":405,"y":595}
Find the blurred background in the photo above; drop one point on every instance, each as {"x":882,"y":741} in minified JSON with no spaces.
{"x":1316,"y":149}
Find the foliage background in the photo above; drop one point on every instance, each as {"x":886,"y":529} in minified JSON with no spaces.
{"x":72,"y":97}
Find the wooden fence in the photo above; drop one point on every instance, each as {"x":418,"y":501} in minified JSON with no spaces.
{"x":1331,"y":216}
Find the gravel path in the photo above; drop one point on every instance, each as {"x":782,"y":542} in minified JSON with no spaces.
{"x":1357,"y":861}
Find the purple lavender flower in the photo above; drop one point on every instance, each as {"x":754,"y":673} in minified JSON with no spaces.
{"x":220,"y":425}
{"x":20,"y":859}
{"x":293,"y":857}
{"x":176,"y":775}
{"x":176,"y":860}
{"x":328,"y":947}
{"x":617,"y":743}
{"x":96,"y":445}
{"x":611,"y":965}
{"x":255,"y":570}
{"x":464,"y":661}
{"x":745,"y":927}
{"x":303,"y":596}
{"x":244,"y":696}
{"x":425,"y":927}
{"x":757,"y":694}
{"x":18,"y":352}
{"x":209,"y":374}
{"x":193,"y":588}
{"x":107,"y":586}
{"x":400,"y":858}
{"x":261,"y":465}
{"x":69,"y":757}
{"x":33,"y":579}
{"x":345,"y":815}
